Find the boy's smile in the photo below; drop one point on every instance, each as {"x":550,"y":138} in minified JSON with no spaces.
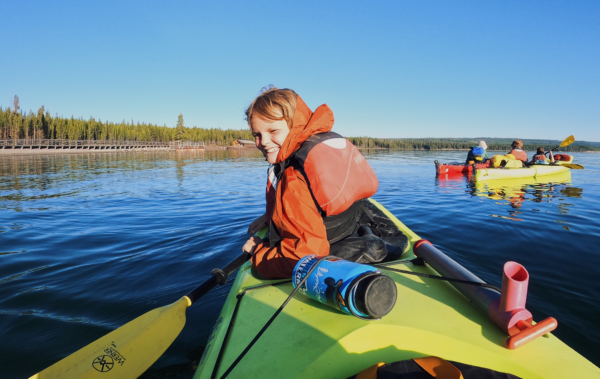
{"x":269,"y":136}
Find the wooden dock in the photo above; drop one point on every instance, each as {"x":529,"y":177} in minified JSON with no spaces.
{"x":66,"y":144}
{"x":58,"y":146}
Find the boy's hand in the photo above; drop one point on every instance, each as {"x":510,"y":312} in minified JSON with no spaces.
{"x":258,"y":224}
{"x":250,"y":245}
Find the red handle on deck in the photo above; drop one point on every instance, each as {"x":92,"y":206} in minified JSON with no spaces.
{"x":530,"y":332}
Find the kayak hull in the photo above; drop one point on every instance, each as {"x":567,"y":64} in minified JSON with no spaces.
{"x":457,"y":168}
{"x":570,"y":160}
{"x":311,"y":340}
{"x":517,"y":184}
{"x":516,"y":173}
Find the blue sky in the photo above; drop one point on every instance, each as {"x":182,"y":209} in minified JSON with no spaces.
{"x":515,"y":69}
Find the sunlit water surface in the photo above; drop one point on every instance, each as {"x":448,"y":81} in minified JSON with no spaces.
{"x":89,"y":242}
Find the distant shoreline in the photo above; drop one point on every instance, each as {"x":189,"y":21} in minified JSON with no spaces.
{"x":395,"y":148}
{"x":31,"y":152}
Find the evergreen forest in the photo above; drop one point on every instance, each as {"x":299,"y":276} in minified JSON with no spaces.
{"x":16,"y":124}
{"x":494,"y":144}
{"x":42,"y":125}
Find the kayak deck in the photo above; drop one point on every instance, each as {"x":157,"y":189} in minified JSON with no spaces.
{"x":430,"y":317}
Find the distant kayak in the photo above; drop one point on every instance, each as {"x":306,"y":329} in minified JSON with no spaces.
{"x":457,"y":168}
{"x":461,"y":168}
{"x":431,"y":318}
{"x":533,"y":171}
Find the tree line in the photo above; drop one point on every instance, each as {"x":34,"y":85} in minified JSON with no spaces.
{"x":438,"y":144}
{"x":15,"y":124}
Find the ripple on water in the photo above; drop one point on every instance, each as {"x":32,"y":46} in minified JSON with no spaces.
{"x":91,"y":241}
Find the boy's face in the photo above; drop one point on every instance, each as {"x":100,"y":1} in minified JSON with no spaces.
{"x":269,"y":136}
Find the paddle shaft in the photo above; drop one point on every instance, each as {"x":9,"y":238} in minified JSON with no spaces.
{"x":218,"y":276}
{"x":554,"y":148}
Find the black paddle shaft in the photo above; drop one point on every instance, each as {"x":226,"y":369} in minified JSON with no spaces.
{"x":218,"y":276}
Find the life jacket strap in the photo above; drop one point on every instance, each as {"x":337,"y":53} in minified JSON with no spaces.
{"x":439,"y":368}
{"x":370,"y":372}
{"x":434,"y":366}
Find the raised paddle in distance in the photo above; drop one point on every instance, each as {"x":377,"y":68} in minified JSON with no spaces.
{"x":128,"y":351}
{"x":569,"y":140}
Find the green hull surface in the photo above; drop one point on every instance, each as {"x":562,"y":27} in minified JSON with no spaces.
{"x":516,"y":173}
{"x":311,"y":340}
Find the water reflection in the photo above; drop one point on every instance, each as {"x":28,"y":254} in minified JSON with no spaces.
{"x":42,"y":177}
{"x":184,"y":158}
{"x":517,"y":191}
{"x":572,"y":192}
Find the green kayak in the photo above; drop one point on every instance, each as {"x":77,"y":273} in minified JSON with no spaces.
{"x":430,"y":318}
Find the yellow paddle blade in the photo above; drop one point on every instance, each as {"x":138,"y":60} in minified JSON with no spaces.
{"x":569,"y":140}
{"x":125,"y":352}
{"x":573,"y":166}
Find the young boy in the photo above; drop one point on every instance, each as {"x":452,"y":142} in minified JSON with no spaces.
{"x":540,"y":157}
{"x":306,"y":165}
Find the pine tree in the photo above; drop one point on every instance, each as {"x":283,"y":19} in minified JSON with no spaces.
{"x":16,"y":104}
{"x":180,"y":133}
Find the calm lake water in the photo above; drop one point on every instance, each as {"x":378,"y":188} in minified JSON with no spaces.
{"x":91,"y":241}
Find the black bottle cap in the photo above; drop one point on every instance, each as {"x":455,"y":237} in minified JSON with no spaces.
{"x":375,"y":295}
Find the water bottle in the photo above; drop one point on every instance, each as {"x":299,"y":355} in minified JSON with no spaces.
{"x":353,"y":288}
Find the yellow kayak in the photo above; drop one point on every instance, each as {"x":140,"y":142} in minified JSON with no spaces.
{"x":311,"y":340}
{"x":505,"y":188}
{"x":516,"y":173}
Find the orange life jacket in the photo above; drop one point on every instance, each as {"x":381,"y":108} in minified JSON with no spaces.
{"x":519,"y":154}
{"x":337,"y":174}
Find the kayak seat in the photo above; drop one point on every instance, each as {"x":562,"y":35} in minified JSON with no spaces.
{"x":412,"y":369}
{"x":376,"y":239}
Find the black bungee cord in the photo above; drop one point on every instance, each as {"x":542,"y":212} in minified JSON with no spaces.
{"x":461,"y":281}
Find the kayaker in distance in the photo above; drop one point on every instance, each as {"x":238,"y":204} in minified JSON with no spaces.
{"x":477,"y":154}
{"x":540,"y":157}
{"x":517,"y":150}
{"x":305,"y":168}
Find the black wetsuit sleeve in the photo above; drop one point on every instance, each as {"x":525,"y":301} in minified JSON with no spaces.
{"x":470,"y":157}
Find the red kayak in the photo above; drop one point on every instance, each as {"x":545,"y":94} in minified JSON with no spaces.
{"x":457,"y":168}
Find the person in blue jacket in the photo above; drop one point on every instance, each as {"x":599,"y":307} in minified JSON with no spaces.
{"x":477,"y":154}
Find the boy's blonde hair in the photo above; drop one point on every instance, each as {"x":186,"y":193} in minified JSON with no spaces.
{"x":517,"y":144}
{"x":273,"y":104}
